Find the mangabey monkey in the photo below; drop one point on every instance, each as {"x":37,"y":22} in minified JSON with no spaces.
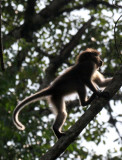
{"x":75,"y":79}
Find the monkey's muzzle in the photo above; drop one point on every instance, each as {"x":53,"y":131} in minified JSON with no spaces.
{"x":100,"y":63}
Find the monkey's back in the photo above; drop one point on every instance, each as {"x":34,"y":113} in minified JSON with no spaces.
{"x":72,"y":78}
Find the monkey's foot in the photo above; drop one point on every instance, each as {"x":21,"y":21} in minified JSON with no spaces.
{"x":58,"y":133}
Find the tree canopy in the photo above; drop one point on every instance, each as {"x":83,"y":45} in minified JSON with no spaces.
{"x":40,"y":39}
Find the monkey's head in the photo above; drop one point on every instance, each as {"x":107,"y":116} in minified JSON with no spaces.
{"x":90,"y":55}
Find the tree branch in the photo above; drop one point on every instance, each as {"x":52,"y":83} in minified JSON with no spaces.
{"x":90,"y":4}
{"x":88,"y":116}
{"x":113,"y":120}
{"x":27,"y":28}
{"x":37,"y":20}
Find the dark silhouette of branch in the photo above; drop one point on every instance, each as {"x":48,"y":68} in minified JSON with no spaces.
{"x":90,"y":4}
{"x":113,"y":121}
{"x":115,"y":39}
{"x":96,"y":106}
{"x":114,"y":2}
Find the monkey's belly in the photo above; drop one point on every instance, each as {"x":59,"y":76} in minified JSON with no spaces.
{"x":64,"y":88}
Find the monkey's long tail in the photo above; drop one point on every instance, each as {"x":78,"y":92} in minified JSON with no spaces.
{"x":37,"y":96}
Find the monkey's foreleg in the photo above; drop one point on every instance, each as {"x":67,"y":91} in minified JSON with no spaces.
{"x":98,"y":92}
{"x":85,"y":102}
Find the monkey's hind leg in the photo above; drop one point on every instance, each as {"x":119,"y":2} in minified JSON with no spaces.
{"x":59,"y":104}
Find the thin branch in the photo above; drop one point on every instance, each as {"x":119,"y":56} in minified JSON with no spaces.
{"x":75,"y":39}
{"x":113,"y":121}
{"x":115,"y":39}
{"x":90,"y":4}
{"x":43,"y":53}
{"x":114,"y":2}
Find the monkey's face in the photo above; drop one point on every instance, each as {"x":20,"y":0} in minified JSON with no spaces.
{"x":97,"y":60}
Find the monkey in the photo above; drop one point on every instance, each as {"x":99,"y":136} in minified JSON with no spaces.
{"x":84,"y":73}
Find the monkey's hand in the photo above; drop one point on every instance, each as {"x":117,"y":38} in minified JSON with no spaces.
{"x":103,"y":94}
